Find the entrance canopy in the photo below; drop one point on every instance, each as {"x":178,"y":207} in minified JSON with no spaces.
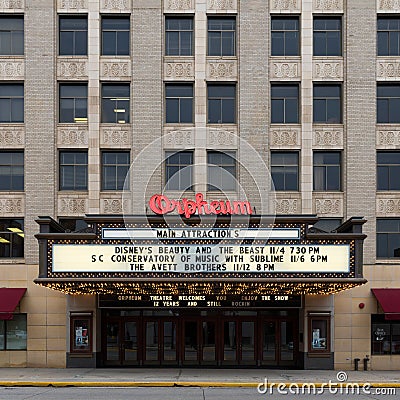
{"x":389,"y":300}
{"x":151,"y":255}
{"x":9,"y":299}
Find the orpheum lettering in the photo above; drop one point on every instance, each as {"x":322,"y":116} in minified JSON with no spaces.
{"x":161,"y":204}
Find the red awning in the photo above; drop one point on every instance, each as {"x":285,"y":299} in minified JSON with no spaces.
{"x":9,"y":299}
{"x":389,"y":299}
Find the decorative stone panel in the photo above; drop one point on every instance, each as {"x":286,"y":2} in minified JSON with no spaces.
{"x":72,"y":136}
{"x":12,"y":69}
{"x":291,"y":204}
{"x":12,"y":136}
{"x":387,"y":205}
{"x":178,"y":138}
{"x":179,"y":5}
{"x":327,"y":204}
{"x":328,"y":6}
{"x":282,"y":137}
{"x":222,"y":70}
{"x":114,"y":206}
{"x":222,"y":138}
{"x":328,"y":137}
{"x":285,"y":6}
{"x":391,"y":6}
{"x":115,"y":6}
{"x":116,"y":137}
{"x":15,"y":5}
{"x":178,"y":70}
{"x":72,"y":5}
{"x":330,"y":70}
{"x":72,"y":205}
{"x":285,"y":70}
{"x":72,"y":69}
{"x":116,"y":69}
{"x":12,"y":205}
{"x":387,"y":138}
{"x":388,"y":69}
{"x":222,"y":5}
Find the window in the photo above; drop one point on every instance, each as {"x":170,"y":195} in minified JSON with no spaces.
{"x":221,"y":36}
{"x":13,"y":333}
{"x":73,"y":103}
{"x":178,"y":170}
{"x":385,"y":335}
{"x":319,"y":333}
{"x":388,"y":36}
{"x":73,"y":36}
{"x":179,"y":103}
{"x":115,"y":168}
{"x":221,"y":104}
{"x":285,"y":36}
{"x":327,"y":105}
{"x":11,"y":238}
{"x":115,"y":103}
{"x":12,"y":170}
{"x":387,"y":238}
{"x":115,"y":36}
{"x":73,"y":170}
{"x":388,"y":170}
{"x":327,"y":170}
{"x":178,"y":36}
{"x":221,"y":171}
{"x":327,"y":36}
{"x":11,"y":102}
{"x":284,"y":104}
{"x":388,"y":103}
{"x":73,"y":224}
{"x":285,"y":170}
{"x":11,"y":35}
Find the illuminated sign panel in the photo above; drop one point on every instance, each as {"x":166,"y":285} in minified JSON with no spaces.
{"x":188,"y":258}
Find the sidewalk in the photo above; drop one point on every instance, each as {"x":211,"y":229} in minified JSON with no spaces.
{"x":184,"y":377}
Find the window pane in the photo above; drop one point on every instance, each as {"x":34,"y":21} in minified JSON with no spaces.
{"x":186,"y":43}
{"x":5,"y":110}
{"x":394,"y":110}
{"x":382,"y":178}
{"x":333,"y":44}
{"x":17,"y":43}
{"x":277,"y":111}
{"x":5,"y":43}
{"x":319,"y":111}
{"x":292,"y":44}
{"x":382,"y":110}
{"x":383,"y":44}
{"x":66,"y":110}
{"x":109,"y":43}
{"x":228,"y":111}
{"x":291,"y":178}
{"x":123,"y":43}
{"x":172,"y":110}
{"x":394,"y":183}
{"x":172,"y":44}
{"x":214,"y":44}
{"x":214,"y":111}
{"x":16,"y":332}
{"x":319,"y":44}
{"x":81,"y":108}
{"x":2,"y":332}
{"x":277,"y":44}
{"x":186,"y":111}
{"x":228,"y":44}
{"x":291,"y":112}
{"x":333,"y":178}
{"x":80,"y":43}
{"x":333,"y":111}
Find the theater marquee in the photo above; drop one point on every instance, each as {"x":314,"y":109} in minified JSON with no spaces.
{"x":151,"y":256}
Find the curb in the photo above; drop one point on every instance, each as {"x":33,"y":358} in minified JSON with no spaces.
{"x":281,"y":385}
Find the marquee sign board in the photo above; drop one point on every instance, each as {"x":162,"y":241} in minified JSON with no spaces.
{"x":189,"y":258}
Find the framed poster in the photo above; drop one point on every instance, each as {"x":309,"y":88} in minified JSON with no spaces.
{"x":81,"y":334}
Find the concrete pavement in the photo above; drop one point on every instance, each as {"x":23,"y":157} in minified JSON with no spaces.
{"x":169,"y":377}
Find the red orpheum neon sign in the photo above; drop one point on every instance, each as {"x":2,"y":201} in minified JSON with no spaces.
{"x":161,"y":204}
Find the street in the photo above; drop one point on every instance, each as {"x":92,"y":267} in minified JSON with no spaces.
{"x":164,"y":393}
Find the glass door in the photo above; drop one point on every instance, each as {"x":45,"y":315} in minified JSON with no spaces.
{"x":151,"y":342}
{"x":169,"y":350}
{"x":287,"y":343}
{"x":269,"y":342}
{"x":247,"y":354}
{"x":130,"y":345}
{"x":208,"y":348}
{"x":230,"y":342}
{"x":113,"y":343}
{"x":191,"y":342}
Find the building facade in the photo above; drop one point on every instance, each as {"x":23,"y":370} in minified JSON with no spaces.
{"x":200,"y":96}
